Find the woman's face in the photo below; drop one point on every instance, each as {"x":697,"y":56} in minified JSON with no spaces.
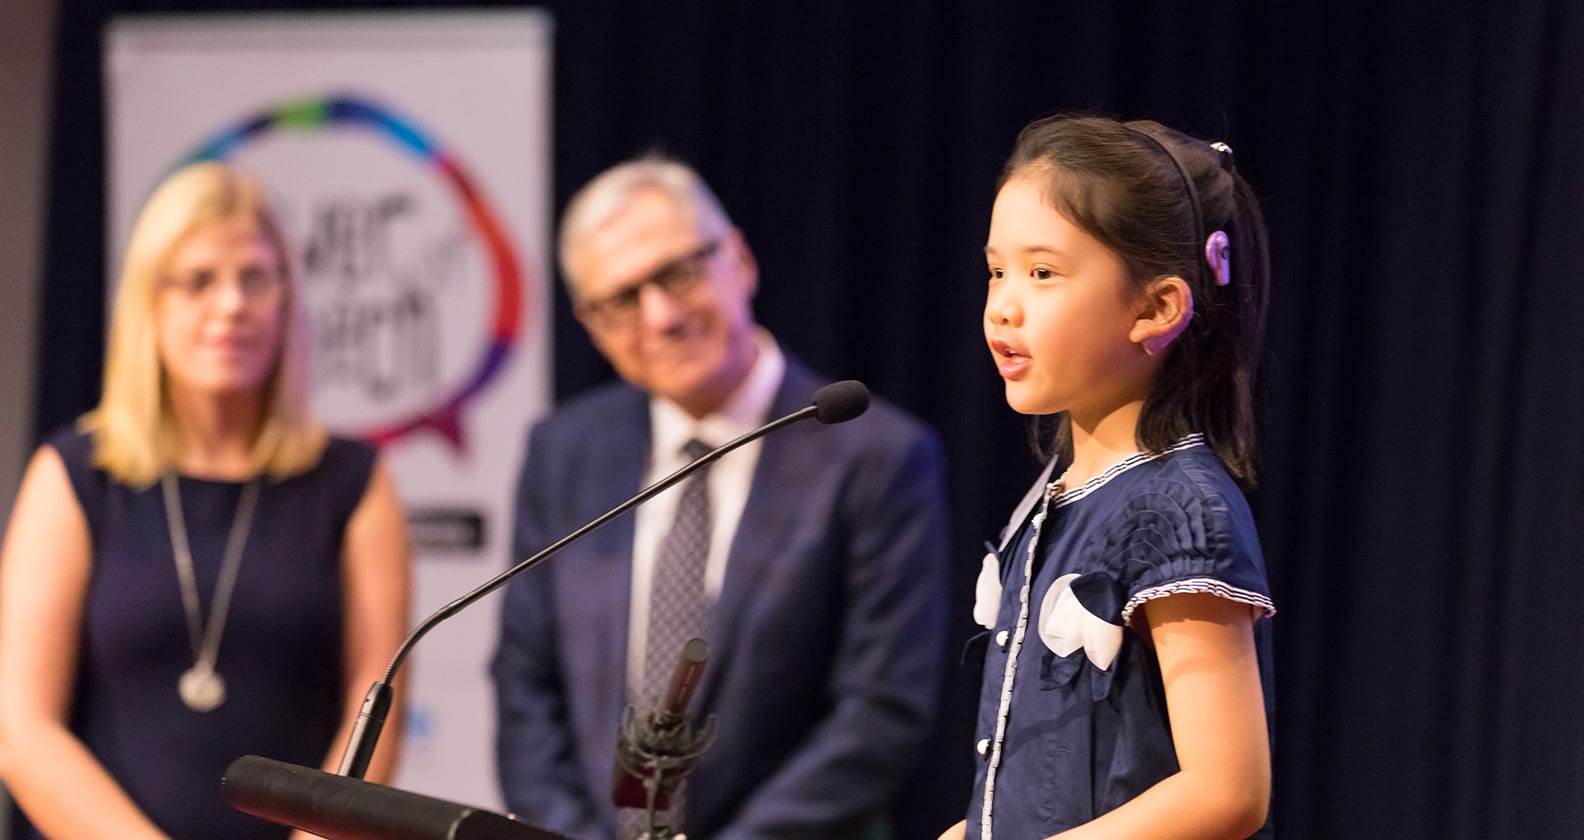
{"x":219,"y":309}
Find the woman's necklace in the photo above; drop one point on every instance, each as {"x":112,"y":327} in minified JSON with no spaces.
{"x":201,"y":688}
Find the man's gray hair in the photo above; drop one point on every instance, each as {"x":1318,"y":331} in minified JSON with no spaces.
{"x":601,"y":199}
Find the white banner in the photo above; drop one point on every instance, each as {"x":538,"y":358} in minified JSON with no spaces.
{"x":409,"y":156}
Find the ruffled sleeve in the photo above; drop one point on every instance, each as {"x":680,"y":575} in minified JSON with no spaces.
{"x":1183,"y":534}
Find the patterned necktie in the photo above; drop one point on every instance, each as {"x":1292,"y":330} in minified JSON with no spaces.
{"x":678,"y":608}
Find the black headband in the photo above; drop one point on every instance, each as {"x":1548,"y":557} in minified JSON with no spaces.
{"x":1188,"y":184}
{"x":1224,"y":152}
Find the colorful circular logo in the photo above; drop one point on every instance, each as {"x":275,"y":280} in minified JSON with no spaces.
{"x":507,"y":288}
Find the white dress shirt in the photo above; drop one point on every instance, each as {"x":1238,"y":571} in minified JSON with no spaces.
{"x":729,"y":479}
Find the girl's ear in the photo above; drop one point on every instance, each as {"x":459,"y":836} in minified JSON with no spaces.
{"x":1165,"y":310}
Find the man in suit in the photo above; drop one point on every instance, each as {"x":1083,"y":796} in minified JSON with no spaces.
{"x":824,"y":586}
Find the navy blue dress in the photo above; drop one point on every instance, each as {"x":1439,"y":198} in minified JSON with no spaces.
{"x":1072,"y":713}
{"x":280,"y":655}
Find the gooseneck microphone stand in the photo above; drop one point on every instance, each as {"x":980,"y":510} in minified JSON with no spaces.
{"x":344,"y":807}
{"x":837,"y":402}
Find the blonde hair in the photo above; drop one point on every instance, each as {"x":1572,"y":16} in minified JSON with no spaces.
{"x":134,"y":428}
{"x":607,"y":195}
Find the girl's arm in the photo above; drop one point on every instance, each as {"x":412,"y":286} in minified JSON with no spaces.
{"x":1222,"y":790}
{"x":376,"y":569}
{"x":956,"y":832}
{"x":44,"y":569}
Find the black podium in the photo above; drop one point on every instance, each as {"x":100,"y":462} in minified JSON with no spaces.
{"x":344,"y":808}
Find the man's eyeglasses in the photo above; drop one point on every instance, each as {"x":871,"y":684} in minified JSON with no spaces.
{"x":255,"y":282}
{"x":619,"y":309}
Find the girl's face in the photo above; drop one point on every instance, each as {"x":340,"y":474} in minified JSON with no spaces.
{"x":1059,"y":311}
{"x":220,"y":309}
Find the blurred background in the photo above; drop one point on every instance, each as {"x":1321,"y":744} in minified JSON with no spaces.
{"x":1422,"y":495}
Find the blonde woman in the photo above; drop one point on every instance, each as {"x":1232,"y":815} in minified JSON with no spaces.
{"x":196,"y":571}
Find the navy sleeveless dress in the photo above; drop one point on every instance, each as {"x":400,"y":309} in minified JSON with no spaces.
{"x":1072,"y":713}
{"x":280,"y":655}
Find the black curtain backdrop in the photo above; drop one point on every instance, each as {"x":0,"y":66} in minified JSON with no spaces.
{"x":1422,"y":505}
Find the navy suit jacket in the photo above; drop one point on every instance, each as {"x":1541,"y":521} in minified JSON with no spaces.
{"x":825,"y":642}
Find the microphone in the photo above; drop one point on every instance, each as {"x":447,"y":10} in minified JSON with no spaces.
{"x":653,"y":754}
{"x":841,"y":401}
{"x":837,"y":402}
{"x":344,"y":807}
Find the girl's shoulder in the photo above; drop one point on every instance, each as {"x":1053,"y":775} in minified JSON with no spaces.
{"x":1194,"y":477}
{"x":1186,"y":474}
{"x":1176,"y":521}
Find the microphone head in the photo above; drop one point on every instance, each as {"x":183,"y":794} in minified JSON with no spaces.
{"x":695,"y":651}
{"x":841,"y":401}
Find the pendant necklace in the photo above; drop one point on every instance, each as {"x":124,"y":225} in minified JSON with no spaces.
{"x":200,"y":686}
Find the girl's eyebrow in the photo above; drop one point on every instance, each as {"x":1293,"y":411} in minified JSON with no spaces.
{"x":1033,"y":249}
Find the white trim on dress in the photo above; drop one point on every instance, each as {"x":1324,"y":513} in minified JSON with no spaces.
{"x":1218,"y":588}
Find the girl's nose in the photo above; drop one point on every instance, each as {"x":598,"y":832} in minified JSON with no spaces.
{"x":1001,"y":307}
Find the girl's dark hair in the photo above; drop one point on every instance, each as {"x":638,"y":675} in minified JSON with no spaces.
{"x":1124,"y":184}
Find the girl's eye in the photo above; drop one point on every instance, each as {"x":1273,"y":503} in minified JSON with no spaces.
{"x":996,"y":273}
{"x":1042,"y":274}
